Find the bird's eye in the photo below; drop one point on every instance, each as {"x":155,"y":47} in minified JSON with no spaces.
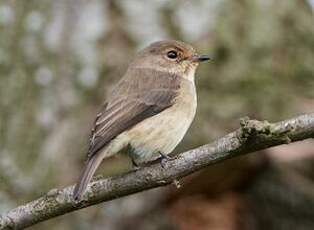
{"x":172,"y":54}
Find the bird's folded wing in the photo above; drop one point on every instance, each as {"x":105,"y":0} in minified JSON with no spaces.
{"x":125,"y":113}
{"x":140,"y":94}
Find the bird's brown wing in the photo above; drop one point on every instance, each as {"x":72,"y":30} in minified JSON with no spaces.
{"x":142,"y":93}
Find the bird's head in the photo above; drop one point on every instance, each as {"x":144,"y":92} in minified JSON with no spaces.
{"x":171,"y":56}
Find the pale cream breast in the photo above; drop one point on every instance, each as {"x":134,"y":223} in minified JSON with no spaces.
{"x":164,"y":131}
{"x":161,"y":132}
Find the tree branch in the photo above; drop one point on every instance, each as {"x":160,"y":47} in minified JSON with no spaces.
{"x":252,"y":135}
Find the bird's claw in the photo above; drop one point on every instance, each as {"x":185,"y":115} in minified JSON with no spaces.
{"x":164,"y":158}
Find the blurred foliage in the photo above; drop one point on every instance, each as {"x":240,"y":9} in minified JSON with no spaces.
{"x":58,"y":60}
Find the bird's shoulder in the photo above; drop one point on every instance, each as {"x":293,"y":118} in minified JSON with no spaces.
{"x":137,"y":81}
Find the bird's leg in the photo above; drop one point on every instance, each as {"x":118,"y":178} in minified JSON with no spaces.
{"x":164,"y":158}
{"x":135,"y":166}
{"x":130,"y":152}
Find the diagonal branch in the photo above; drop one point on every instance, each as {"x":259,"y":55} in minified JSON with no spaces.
{"x":252,"y":135}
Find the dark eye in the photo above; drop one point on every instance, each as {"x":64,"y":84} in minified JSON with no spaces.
{"x":172,"y":54}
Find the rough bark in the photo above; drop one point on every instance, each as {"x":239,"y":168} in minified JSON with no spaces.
{"x":252,"y":135}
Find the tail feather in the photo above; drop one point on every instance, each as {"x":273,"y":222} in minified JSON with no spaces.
{"x":88,"y":172}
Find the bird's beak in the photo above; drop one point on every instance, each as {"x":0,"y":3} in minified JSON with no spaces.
{"x":199,"y":58}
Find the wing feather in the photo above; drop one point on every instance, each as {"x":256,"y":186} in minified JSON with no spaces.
{"x":134,"y":100}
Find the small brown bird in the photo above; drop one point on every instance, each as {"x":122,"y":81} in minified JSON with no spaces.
{"x":149,"y":110}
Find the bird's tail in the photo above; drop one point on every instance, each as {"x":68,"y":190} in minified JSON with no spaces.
{"x":88,"y":172}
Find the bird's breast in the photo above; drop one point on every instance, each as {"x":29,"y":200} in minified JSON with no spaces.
{"x":164,"y":131}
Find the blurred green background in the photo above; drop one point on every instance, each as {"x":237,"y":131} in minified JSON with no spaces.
{"x":59,"y":59}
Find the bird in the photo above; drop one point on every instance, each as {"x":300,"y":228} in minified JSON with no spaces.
{"x":148,"y":111}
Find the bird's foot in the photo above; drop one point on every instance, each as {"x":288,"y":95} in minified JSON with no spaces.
{"x":164,"y":158}
{"x":135,"y":166}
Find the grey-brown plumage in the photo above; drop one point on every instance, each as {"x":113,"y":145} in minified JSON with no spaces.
{"x":150,"y":108}
{"x":145,"y":97}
